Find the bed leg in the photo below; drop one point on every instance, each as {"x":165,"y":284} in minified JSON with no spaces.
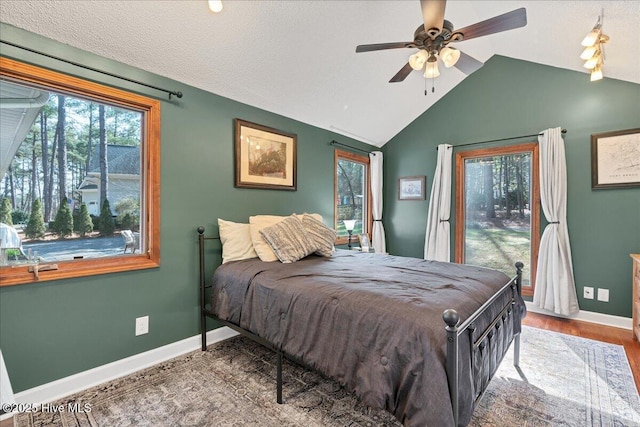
{"x":516,"y":351}
{"x":203,"y":332}
{"x":279,"y":378}
{"x":201,"y":283}
{"x":452,"y":318}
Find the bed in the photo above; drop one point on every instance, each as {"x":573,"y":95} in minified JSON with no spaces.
{"x":419,"y":338}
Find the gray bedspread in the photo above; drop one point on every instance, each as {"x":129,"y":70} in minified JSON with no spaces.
{"x":372,"y":322}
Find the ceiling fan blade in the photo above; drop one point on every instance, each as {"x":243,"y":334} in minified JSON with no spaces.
{"x":402,"y":74}
{"x":383,"y":46}
{"x":507,"y":21}
{"x":433,"y":13}
{"x":468,"y":64}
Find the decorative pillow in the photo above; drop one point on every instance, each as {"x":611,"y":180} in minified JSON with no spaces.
{"x":262,"y":248}
{"x":289,"y":240}
{"x":236,"y":241}
{"x":314,"y":215}
{"x":323,"y":237}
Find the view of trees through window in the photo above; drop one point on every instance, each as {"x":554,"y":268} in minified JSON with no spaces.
{"x":351,"y":192}
{"x":498,"y":216}
{"x":71,"y":178}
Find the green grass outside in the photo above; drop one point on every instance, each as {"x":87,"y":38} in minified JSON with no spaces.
{"x":499,"y":248}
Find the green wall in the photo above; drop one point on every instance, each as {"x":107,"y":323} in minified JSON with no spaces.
{"x":54,"y":329}
{"x":509,"y":97}
{"x":51,"y":330}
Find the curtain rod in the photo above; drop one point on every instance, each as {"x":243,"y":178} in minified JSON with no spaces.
{"x":334,"y":142}
{"x":502,"y":139}
{"x":170,"y":92}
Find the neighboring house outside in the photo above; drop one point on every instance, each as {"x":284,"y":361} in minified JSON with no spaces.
{"x":123,"y":176}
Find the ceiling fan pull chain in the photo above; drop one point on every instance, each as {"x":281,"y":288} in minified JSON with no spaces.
{"x":433,"y":85}
{"x":425,"y":87}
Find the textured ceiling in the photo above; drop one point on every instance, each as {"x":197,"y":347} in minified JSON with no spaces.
{"x":297,"y":58}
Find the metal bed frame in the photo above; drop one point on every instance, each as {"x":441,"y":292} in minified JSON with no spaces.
{"x":493,"y":334}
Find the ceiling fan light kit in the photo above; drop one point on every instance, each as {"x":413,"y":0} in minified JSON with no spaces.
{"x":433,"y":36}
{"x":594,"y":52}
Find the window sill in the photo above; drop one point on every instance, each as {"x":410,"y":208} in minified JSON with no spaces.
{"x":19,"y":275}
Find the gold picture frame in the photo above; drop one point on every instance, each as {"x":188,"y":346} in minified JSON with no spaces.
{"x":615,"y":159}
{"x":264,"y":157}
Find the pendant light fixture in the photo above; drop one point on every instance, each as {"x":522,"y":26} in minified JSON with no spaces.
{"x":593,"y":53}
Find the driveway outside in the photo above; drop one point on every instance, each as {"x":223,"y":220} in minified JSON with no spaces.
{"x":64,"y":250}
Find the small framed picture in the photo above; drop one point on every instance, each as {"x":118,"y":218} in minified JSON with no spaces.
{"x":615,"y":159}
{"x":412,"y":187}
{"x":265,"y":157}
{"x":364,"y":242}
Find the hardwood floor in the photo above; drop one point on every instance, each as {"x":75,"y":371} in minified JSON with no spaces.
{"x":592,"y":331}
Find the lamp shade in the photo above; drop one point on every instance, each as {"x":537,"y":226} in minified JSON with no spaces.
{"x":592,"y":62}
{"x":588,"y":52}
{"x":591,"y":38}
{"x":449,"y":56}
{"x":349,"y":224}
{"x":596,"y":74}
{"x":418,"y":59}
{"x":431,"y":70}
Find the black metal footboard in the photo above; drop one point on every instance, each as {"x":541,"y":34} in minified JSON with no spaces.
{"x":486,"y":351}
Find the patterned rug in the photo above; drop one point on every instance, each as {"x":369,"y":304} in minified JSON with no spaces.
{"x":562,"y":381}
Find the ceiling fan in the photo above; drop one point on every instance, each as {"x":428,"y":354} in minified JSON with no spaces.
{"x":433,"y":37}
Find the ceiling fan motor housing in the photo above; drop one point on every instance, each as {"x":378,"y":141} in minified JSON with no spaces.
{"x":434,"y":39}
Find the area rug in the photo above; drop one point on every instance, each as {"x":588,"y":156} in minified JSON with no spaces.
{"x":562,"y":381}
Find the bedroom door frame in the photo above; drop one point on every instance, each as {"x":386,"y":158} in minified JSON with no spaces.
{"x":460,"y":230}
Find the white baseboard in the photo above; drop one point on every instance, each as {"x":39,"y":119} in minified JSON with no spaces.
{"x":588,"y":316}
{"x":83,"y":380}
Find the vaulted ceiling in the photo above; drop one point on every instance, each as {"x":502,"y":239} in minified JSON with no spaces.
{"x":297,"y":58}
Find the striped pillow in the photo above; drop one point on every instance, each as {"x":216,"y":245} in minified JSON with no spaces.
{"x":289,"y":240}
{"x":322,"y":236}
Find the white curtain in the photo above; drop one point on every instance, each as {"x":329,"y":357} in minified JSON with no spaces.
{"x":436,"y":242}
{"x":378,"y":241}
{"x":555,"y":287}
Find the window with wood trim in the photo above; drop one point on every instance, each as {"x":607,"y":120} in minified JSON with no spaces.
{"x":352,"y":192}
{"x":80,"y":177}
{"x":498,"y":209}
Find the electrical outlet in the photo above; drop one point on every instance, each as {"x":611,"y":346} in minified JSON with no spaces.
{"x":588,"y":292}
{"x":603,"y":295}
{"x":142,"y":325}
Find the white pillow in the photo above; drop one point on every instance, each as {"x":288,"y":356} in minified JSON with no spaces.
{"x":236,"y":241}
{"x":261,"y":247}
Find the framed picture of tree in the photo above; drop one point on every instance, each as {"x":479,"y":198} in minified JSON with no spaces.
{"x":264,"y":157}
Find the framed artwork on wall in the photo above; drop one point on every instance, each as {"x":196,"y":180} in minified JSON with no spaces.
{"x":264,"y":157}
{"x":615,"y":159}
{"x":412,"y":187}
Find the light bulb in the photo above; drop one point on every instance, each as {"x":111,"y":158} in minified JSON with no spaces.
{"x":449,"y":56}
{"x":431,"y":70}
{"x":588,"y":52}
{"x":215,"y":5}
{"x":596,"y":73}
{"x":418,"y":59}
{"x":591,"y":38}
